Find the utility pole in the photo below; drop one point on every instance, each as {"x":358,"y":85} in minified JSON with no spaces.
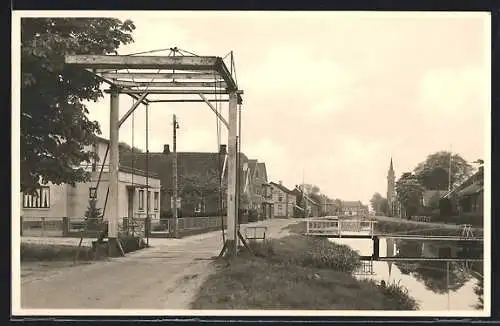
{"x":174,"y":174}
{"x":304,"y":195}
{"x":449,"y":172}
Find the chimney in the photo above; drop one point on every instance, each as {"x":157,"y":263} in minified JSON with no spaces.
{"x":223,"y":149}
{"x":281,"y":183}
{"x":166,"y":149}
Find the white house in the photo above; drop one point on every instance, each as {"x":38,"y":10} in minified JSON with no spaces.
{"x":55,"y":202}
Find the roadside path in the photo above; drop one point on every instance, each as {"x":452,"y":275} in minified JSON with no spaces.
{"x":165,"y":276}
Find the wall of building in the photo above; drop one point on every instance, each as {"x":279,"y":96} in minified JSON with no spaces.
{"x":285,"y":206}
{"x":57,"y":203}
{"x":73,"y":201}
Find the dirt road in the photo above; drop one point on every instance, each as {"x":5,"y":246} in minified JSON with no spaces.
{"x":166,"y":276}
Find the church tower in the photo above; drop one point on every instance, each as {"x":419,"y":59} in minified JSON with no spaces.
{"x":391,"y":189}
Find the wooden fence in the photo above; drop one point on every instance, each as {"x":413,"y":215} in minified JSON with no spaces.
{"x":337,"y":227}
{"x":75,"y":226}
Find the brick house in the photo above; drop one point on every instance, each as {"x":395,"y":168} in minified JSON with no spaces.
{"x":198,"y":178}
{"x":284,"y":200}
{"x":354,"y":208}
{"x":255,"y":187}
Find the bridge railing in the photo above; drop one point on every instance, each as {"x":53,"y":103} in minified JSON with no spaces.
{"x":337,"y":227}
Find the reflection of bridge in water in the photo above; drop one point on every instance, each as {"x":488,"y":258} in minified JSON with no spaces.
{"x":365,"y":229}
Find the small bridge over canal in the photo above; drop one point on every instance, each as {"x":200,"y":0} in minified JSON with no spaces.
{"x":365,"y":229}
{"x":331,"y":227}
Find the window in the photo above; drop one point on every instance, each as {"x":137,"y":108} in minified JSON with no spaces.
{"x":92,"y":192}
{"x":280,"y":197}
{"x":40,"y":199}
{"x":156,"y":200}
{"x":148,"y":201}
{"x":141,"y":200}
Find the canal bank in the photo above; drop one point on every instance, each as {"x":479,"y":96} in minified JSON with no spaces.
{"x":426,"y":280}
{"x":298,"y":272}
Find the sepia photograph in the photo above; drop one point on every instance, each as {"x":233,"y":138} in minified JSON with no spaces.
{"x":287,"y":163}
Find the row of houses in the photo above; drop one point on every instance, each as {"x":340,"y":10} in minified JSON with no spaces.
{"x":146,"y":188}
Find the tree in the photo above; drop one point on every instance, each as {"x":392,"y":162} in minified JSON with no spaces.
{"x":378,"y":203}
{"x":54,"y":123}
{"x":197,"y":187}
{"x":433,"y":172}
{"x":93,"y":215}
{"x":126,"y":148}
{"x":409,"y":193}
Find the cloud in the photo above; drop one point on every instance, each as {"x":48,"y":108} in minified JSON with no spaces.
{"x":453,"y":93}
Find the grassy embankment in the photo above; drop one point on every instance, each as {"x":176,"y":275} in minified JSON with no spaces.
{"x":37,"y":258}
{"x":297,"y":272}
{"x":388,"y":227}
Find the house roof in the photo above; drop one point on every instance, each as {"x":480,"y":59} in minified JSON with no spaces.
{"x":350,"y":203}
{"x":127,"y":169}
{"x":282,"y":188}
{"x":470,"y":190}
{"x":473,"y":179}
{"x":262,"y":168}
{"x":298,"y":192}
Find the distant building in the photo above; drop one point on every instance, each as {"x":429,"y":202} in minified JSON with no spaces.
{"x":305,"y":204}
{"x":391,"y":191}
{"x":354,"y":208}
{"x":255,"y":186}
{"x":468,"y":198}
{"x":284,"y":200}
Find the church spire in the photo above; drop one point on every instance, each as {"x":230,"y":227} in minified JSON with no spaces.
{"x":391,"y":167}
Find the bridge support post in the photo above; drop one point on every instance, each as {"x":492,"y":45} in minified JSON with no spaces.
{"x":376,"y":248}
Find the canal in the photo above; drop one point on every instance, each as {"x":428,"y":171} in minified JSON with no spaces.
{"x":427,"y":281}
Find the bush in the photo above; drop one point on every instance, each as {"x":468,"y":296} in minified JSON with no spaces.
{"x":253,"y":215}
{"x":325,"y":254}
{"x":399,"y":296}
{"x":131,"y":243}
{"x":308,"y":252}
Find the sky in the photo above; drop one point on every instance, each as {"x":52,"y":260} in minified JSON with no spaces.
{"x":329,"y":97}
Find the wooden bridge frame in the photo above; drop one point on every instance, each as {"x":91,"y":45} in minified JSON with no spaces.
{"x":333,"y":228}
{"x":142,"y":76}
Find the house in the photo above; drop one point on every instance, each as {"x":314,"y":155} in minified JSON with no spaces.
{"x":468,"y":198}
{"x":330,"y":207}
{"x":305,"y":204}
{"x":354,"y":208}
{"x":67,"y":201}
{"x":255,"y":186}
{"x":268,"y":203}
{"x":284,"y":200}
{"x":200,"y":175}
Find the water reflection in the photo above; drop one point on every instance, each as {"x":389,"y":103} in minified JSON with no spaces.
{"x":427,"y":281}
{"x":433,"y":274}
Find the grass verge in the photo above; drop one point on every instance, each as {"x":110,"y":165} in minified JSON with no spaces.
{"x":386,"y":227}
{"x":297,"y":272}
{"x":45,"y":252}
